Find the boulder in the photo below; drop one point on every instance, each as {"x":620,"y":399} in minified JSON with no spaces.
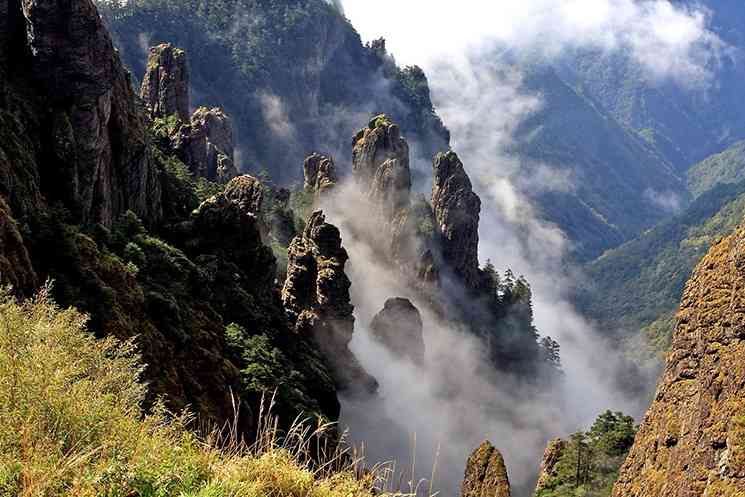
{"x":399,"y":327}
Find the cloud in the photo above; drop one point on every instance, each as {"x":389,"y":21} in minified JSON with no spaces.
{"x":669,"y":41}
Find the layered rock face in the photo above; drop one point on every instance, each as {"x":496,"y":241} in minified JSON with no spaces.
{"x":399,"y":327}
{"x":692,"y":440}
{"x":205,"y":144}
{"x":486,"y":474}
{"x":551,"y":456}
{"x":457,"y":208}
{"x":165,"y":87}
{"x":93,"y":156}
{"x":319,"y":174}
{"x":316,"y":298}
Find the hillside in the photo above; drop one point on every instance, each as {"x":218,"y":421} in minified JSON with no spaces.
{"x":724,"y":167}
{"x":638,"y":285}
{"x":616,"y":177}
{"x":294,"y":76}
{"x":684,"y":121}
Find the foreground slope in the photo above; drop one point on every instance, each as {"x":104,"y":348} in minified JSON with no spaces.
{"x":692,"y":440}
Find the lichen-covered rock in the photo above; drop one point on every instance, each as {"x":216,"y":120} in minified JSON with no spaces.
{"x":486,"y":474}
{"x":248,"y":192}
{"x":399,"y":327}
{"x":205,"y":145}
{"x":457,"y":208}
{"x":15,"y":265}
{"x":165,"y":87}
{"x":692,"y":439}
{"x":319,"y":174}
{"x":548,"y":469}
{"x":316,"y":298}
{"x":97,"y":133}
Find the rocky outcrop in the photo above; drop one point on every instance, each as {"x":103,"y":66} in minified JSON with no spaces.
{"x":165,"y":87}
{"x":319,"y":174}
{"x":380,"y":164}
{"x":457,"y":208}
{"x":15,"y":265}
{"x":399,"y":327}
{"x":205,"y":145}
{"x":248,"y":192}
{"x":316,"y":298}
{"x":692,"y":439}
{"x":486,"y":474}
{"x":97,"y":136}
{"x":548,"y":469}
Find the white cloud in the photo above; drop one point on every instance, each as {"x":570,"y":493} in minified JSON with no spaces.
{"x":667,"y":40}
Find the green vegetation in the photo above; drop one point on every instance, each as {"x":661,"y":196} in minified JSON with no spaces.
{"x":638,"y":286}
{"x":71,"y":423}
{"x":724,"y":167}
{"x":588,"y":462}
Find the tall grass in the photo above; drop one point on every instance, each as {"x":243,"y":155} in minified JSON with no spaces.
{"x":72,"y":424}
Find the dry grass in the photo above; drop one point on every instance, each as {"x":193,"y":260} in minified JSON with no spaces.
{"x":71,"y":424}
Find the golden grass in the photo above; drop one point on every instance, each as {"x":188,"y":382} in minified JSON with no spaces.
{"x":71,"y":424}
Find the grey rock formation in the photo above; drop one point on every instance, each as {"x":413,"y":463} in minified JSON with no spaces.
{"x":165,"y":87}
{"x":316,"y":298}
{"x":399,"y":327}
{"x":205,"y":145}
{"x":319,"y":174}
{"x":99,"y":140}
{"x":457,"y":208}
{"x":486,"y":474}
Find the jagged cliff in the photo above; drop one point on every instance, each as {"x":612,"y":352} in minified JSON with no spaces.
{"x":692,"y":440}
{"x":165,"y":87}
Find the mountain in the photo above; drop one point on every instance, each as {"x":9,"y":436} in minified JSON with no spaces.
{"x":687,"y":120}
{"x":293,"y":75}
{"x":692,"y":437}
{"x":617,"y":179}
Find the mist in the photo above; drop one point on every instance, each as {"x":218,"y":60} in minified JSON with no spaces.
{"x":439,"y":412}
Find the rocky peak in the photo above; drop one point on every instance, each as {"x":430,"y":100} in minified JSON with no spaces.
{"x":399,"y":327}
{"x":551,"y":457}
{"x":380,"y":164}
{"x":165,"y":87}
{"x":692,"y":439}
{"x":486,"y":474}
{"x":320,"y":174}
{"x":246,"y":191}
{"x":316,"y":298}
{"x":205,"y":144}
{"x":457,"y":208}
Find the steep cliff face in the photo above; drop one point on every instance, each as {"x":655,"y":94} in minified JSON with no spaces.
{"x":91,"y":138}
{"x":486,"y":474}
{"x":457,"y":208}
{"x":692,"y":440}
{"x":316,"y":297}
{"x":165,"y":87}
{"x":398,"y":326}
